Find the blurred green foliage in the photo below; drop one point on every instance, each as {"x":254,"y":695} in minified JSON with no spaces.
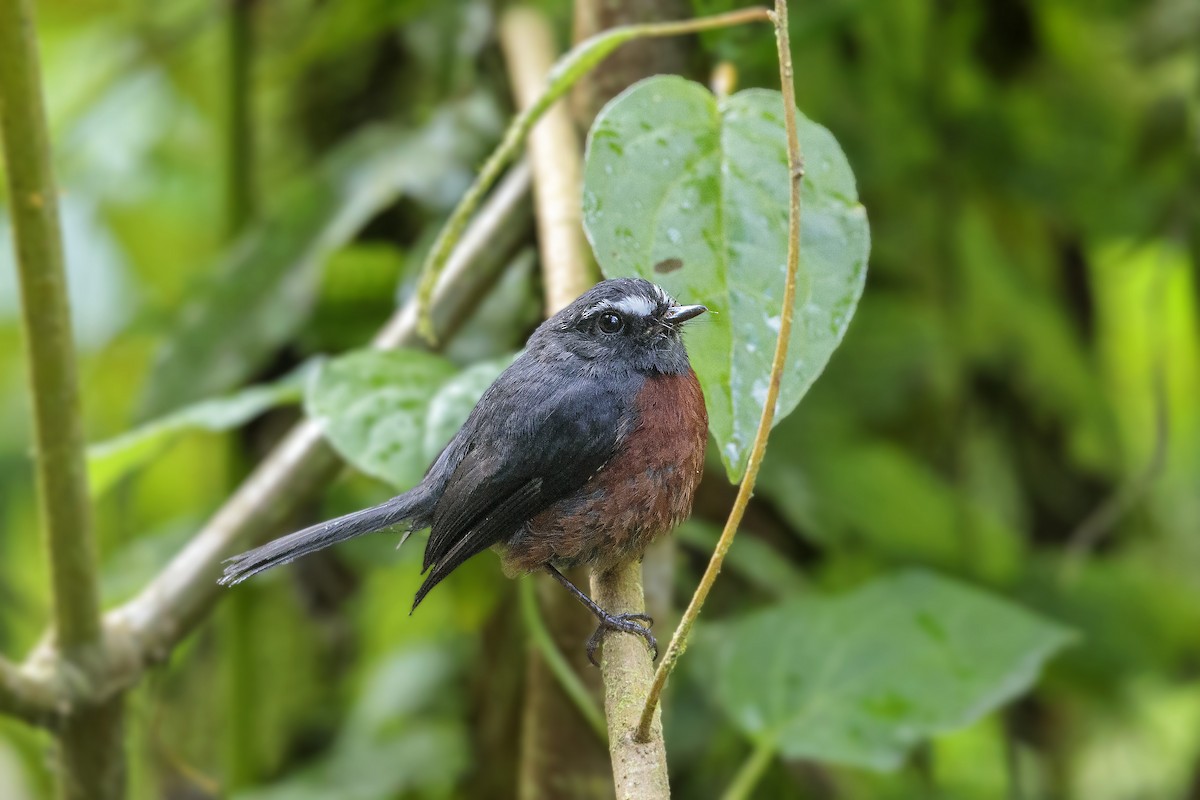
{"x":1014,"y":405}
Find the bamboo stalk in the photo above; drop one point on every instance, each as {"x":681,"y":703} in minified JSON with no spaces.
{"x":559,"y":748}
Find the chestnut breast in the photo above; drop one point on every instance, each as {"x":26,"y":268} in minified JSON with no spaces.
{"x":644,"y":491}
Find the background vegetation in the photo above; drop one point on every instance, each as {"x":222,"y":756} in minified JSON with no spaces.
{"x":1014,"y":406}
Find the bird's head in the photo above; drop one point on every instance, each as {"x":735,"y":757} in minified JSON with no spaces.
{"x":628,"y":322}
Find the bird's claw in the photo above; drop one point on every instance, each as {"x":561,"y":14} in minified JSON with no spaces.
{"x":625,"y":623}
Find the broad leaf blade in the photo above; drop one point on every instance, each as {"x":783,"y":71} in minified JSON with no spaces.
{"x":861,"y":678}
{"x":390,"y":413}
{"x":692,"y":193}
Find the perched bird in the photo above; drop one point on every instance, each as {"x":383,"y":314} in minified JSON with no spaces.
{"x":588,"y":447}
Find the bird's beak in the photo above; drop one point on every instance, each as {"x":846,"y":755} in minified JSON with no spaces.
{"x":677,"y":314}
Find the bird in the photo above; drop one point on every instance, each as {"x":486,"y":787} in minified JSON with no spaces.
{"x":587,"y":448}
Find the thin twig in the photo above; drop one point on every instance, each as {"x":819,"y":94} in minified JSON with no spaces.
{"x":778,"y":364}
{"x":752,"y":769}
{"x":1084,"y":539}
{"x":240,"y":184}
{"x":569,"y":69}
{"x":237,"y":625}
{"x":557,"y":663}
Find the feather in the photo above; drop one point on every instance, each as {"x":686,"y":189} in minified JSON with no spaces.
{"x":411,"y":506}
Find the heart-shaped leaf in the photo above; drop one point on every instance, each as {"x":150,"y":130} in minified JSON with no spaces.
{"x":692,"y":193}
{"x":390,"y":412}
{"x":861,"y":678}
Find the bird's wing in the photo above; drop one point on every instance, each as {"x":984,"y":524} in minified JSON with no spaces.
{"x":537,"y":444}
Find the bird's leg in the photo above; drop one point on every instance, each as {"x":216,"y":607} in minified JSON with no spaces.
{"x":608,"y":622}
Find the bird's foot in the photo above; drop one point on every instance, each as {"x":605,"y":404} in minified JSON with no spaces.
{"x":625,"y":623}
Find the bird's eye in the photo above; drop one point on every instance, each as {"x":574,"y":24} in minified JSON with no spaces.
{"x":610,"y":322}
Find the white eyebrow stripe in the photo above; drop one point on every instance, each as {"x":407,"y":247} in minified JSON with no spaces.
{"x":635,"y":305}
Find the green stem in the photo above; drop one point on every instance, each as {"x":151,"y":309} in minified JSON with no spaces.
{"x":778,"y":364}
{"x":557,"y":662}
{"x":91,"y":757}
{"x":241,"y":737}
{"x":239,"y":160}
{"x":752,"y":770}
{"x":58,"y":430}
{"x":566,"y":73}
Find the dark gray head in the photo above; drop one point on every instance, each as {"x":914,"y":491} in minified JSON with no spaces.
{"x":625,"y":323}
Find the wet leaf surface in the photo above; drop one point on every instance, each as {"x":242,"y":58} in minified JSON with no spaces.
{"x":692,"y":193}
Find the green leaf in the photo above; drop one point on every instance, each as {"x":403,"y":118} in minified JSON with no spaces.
{"x":110,"y":461}
{"x":391,"y":412}
{"x":860,"y":678}
{"x":692,"y":193}
{"x":264,"y":288}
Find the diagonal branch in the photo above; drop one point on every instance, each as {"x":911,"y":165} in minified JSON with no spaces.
{"x":145,"y":629}
{"x":28,"y":698}
{"x":185,"y":591}
{"x":649,"y":715}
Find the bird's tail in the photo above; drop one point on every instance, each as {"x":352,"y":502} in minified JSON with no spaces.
{"x":408,"y":506}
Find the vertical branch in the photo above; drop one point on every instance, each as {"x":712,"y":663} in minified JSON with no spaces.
{"x":639,"y":761}
{"x":236,"y":626}
{"x":240,"y":200}
{"x":639,"y":770}
{"x":91,"y":758}
{"x":58,"y":430}
{"x":559,"y":750}
{"x":778,"y":363}
{"x":555,"y":156}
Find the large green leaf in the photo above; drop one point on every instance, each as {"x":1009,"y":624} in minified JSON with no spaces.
{"x":263,"y":289}
{"x":390,"y":412}
{"x":861,"y":678}
{"x":692,"y":192}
